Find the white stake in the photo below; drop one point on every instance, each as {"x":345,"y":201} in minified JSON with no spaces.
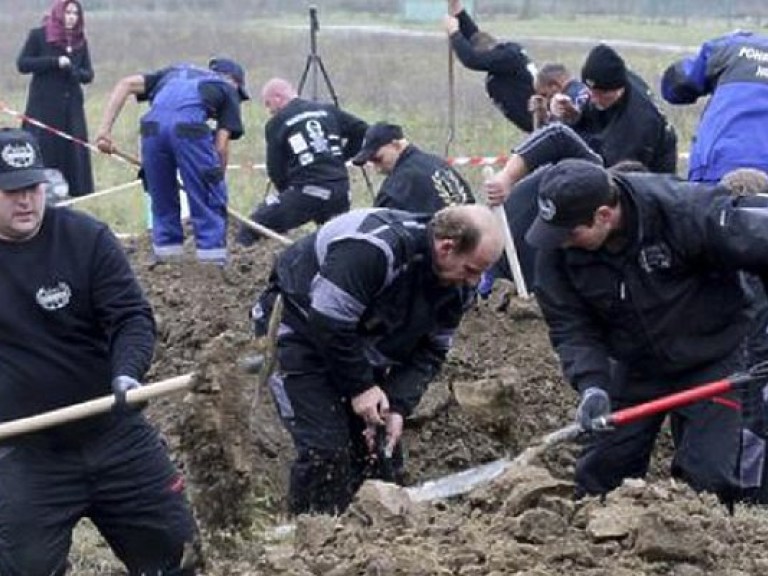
{"x":509,"y":243}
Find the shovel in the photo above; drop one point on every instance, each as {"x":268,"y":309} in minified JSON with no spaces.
{"x":467,"y":480}
{"x":93,"y":407}
{"x":255,"y":226}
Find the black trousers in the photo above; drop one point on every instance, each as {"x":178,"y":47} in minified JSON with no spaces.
{"x":297,"y":205}
{"x":120,"y":478}
{"x":707,"y":435}
{"x":332,"y":459}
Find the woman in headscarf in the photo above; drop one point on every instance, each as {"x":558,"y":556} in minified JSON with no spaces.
{"x":56,"y":54}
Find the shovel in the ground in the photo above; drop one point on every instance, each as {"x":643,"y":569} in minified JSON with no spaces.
{"x":467,"y":480}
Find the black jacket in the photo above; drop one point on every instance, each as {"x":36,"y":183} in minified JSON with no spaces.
{"x":370,"y":300}
{"x":56,"y":99}
{"x":632,"y":129}
{"x":671,"y":301}
{"x":73,"y":318}
{"x":509,"y":82}
{"x":422,"y":182}
{"x":308,"y":143}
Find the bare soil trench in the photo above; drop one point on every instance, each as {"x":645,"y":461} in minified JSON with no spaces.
{"x":236,"y":456}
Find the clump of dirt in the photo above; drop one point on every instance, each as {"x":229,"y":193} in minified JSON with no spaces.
{"x":228,"y":438}
{"x":527,"y":523}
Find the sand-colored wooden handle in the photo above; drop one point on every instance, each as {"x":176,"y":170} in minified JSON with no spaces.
{"x":93,"y":407}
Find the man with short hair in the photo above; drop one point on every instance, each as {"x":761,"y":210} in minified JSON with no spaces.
{"x":565,"y":95}
{"x":175,"y":138}
{"x":638,"y":279}
{"x":509,"y":79}
{"x":416,"y":180}
{"x":371,"y":304}
{"x":621,"y":121}
{"x":75,"y":326}
{"x":308,"y":144}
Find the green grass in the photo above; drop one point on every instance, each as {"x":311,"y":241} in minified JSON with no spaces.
{"x":402,"y":79}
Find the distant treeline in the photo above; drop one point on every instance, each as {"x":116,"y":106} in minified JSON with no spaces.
{"x":756,"y":10}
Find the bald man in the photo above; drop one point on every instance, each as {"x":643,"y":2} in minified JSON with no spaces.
{"x":307,"y":144}
{"x":372,"y":301}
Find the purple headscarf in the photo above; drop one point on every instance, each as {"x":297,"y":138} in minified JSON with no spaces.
{"x":56,"y":33}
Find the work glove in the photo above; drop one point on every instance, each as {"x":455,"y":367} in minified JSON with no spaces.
{"x":594,"y":404}
{"x":121,"y":385}
{"x":485,"y":287}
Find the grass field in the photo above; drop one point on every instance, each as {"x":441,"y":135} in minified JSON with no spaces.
{"x":403,"y":78}
{"x":377,"y":76}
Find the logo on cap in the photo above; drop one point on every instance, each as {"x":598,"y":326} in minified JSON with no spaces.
{"x":19,"y":155}
{"x":547,"y":209}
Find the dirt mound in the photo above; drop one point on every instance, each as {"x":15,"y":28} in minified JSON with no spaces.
{"x":227,"y":437}
{"x":526,"y":523}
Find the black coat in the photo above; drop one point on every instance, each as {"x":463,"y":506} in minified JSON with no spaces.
{"x":422,"y":182}
{"x":56,"y":99}
{"x":634,"y":128}
{"x":672,"y":300}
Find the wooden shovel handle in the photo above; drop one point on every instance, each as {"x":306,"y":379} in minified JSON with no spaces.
{"x":93,"y":407}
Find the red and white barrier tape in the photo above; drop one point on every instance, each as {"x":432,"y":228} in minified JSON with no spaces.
{"x":57,"y":132}
{"x":453,"y":161}
{"x":476,"y":160}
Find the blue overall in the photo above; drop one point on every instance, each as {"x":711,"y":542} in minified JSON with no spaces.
{"x":175,"y":137}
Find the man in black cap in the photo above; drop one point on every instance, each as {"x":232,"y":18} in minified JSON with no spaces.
{"x":76,"y":326}
{"x":416,"y":180}
{"x":621,"y":121}
{"x":638,"y":279}
{"x":175,"y":138}
{"x":308,"y":144}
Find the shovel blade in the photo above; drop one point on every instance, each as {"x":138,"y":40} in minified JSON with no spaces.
{"x":459,"y":482}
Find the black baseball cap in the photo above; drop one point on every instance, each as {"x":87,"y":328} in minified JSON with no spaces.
{"x":569,"y":193}
{"x":376,"y":136}
{"x":21,"y":163}
{"x":233,"y":69}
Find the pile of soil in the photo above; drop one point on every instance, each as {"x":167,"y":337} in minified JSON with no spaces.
{"x":226,"y":436}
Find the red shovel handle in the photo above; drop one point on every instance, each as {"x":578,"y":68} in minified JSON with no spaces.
{"x":672,"y":401}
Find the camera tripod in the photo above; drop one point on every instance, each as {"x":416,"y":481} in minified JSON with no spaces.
{"x":314,"y":66}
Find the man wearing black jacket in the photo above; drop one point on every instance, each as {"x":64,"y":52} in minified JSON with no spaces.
{"x":416,"y":180}
{"x":621,"y":120}
{"x":509,"y":81}
{"x":75,"y":326}
{"x":371,"y":304}
{"x":308,"y":144}
{"x":638,"y":279}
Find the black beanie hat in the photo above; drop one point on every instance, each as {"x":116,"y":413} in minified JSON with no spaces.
{"x":604,"y":69}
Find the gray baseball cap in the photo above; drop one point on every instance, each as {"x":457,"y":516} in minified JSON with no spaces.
{"x":21,"y":163}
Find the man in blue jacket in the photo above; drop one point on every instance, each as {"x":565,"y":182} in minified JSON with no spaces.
{"x":176,"y":138}
{"x":733,"y":71}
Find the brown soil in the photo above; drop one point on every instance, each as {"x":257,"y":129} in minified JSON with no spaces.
{"x":226,"y":436}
